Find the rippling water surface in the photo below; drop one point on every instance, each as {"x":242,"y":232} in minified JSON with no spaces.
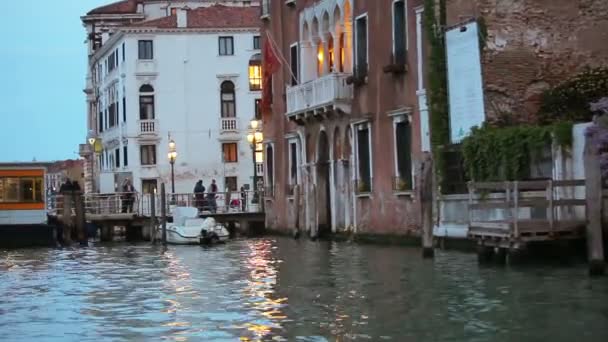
{"x":276,"y":289}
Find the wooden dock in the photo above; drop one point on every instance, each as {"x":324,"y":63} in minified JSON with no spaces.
{"x":510,"y":215}
{"x":108,"y":211}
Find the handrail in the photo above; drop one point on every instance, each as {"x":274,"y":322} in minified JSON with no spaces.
{"x":141,"y":204}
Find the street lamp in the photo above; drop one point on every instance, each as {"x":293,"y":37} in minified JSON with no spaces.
{"x":255,"y":137}
{"x":172,"y":155}
{"x":95,"y":148}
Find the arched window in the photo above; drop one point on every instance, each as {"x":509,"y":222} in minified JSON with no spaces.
{"x":255,"y":72}
{"x":146,"y":102}
{"x":228,"y":100}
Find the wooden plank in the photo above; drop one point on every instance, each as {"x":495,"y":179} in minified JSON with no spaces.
{"x":487,"y":185}
{"x":570,"y":202}
{"x":488,"y":205}
{"x":490,"y":225}
{"x":532,"y":185}
{"x":569,"y":182}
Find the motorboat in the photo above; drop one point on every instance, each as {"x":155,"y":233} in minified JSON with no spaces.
{"x":188,"y":229}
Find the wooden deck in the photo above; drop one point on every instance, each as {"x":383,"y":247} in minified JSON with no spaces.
{"x":500,"y":214}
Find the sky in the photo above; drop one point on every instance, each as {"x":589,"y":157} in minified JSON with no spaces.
{"x":43,"y":62}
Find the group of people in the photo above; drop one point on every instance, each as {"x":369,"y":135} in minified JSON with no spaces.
{"x":208,"y":201}
{"x":69,"y":185}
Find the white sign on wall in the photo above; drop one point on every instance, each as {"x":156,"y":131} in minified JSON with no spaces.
{"x":465,"y":87}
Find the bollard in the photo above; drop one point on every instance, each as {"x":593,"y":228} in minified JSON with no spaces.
{"x":153,"y":218}
{"x":67,"y":218}
{"x":426,"y":205}
{"x":80,"y":218}
{"x":163,"y":212}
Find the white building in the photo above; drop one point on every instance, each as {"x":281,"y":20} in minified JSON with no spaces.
{"x":187,"y":71}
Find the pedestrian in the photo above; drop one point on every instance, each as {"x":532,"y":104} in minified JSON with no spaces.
{"x":127,"y":196}
{"x":75,"y":186}
{"x":243,"y":198}
{"x":199,"y":195}
{"x":66,"y":186}
{"x":211,"y":196}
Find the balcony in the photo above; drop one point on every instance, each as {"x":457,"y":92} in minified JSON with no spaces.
{"x":228,"y":125}
{"x":322,"y":96}
{"x":148,"y":127}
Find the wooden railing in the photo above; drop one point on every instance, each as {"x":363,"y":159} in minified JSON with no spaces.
{"x":141,"y":204}
{"x":557,"y":198}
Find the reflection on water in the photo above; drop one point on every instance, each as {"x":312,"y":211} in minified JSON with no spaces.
{"x":276,"y":289}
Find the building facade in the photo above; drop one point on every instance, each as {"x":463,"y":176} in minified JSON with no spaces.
{"x":186,"y":72}
{"x":348,"y":119}
{"x":57,"y":172}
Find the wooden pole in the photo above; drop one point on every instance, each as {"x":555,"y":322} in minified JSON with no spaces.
{"x":296,"y":211}
{"x":80,"y":218}
{"x":67,"y":218}
{"x":593,"y":190}
{"x":153,"y":217}
{"x":425,"y":191}
{"x":163,"y":212}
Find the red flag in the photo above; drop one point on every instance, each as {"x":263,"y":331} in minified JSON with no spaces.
{"x":270,"y":65}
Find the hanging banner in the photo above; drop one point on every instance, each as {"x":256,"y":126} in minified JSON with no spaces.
{"x":465,"y":86}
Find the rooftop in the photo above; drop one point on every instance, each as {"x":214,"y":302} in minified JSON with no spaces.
{"x":217,"y":16}
{"x":119,"y":7}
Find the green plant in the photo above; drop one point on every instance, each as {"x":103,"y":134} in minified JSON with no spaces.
{"x":437,"y":82}
{"x":570,"y":101}
{"x":504,"y":153}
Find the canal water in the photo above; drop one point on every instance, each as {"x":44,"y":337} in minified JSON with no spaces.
{"x":279,"y":289}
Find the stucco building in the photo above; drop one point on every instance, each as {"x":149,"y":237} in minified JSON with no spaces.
{"x":348,"y":119}
{"x":161,"y":71}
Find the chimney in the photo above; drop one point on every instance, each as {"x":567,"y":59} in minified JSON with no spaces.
{"x":182,"y":17}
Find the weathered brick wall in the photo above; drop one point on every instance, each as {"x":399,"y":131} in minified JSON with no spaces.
{"x":533,"y":45}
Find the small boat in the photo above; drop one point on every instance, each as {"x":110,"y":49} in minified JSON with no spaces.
{"x":188,"y":229}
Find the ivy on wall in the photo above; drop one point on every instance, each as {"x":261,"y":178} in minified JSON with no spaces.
{"x":504,"y":153}
{"x":434,"y":22}
{"x":571,"y":100}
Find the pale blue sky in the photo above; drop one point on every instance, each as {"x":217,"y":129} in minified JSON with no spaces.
{"x":42,"y":68}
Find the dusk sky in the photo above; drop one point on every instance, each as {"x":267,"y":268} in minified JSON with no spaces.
{"x":43,"y":67}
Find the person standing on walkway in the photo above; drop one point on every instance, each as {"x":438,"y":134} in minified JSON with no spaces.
{"x":211,"y":196}
{"x":243,"y":198}
{"x":128,"y":196}
{"x":199,"y":195}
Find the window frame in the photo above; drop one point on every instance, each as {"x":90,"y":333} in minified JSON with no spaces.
{"x":228,"y":149}
{"x":257,"y":42}
{"x":144,"y":161}
{"x":142,"y":49}
{"x":224,"y":110}
{"x":236,"y":184}
{"x":400,"y":59}
{"x":294,"y":68}
{"x":225,"y":39}
{"x":356,"y":44}
{"x":257,"y":110}
{"x":356,"y":127}
{"x":399,"y":118}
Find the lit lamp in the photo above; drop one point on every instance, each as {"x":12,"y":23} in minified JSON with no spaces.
{"x":172,"y":156}
{"x":255,"y":137}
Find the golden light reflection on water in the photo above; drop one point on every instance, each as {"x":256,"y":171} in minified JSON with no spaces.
{"x":260,"y":289}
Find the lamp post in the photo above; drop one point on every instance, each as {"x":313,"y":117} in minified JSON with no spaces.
{"x":95,"y":146}
{"x":172,"y":155}
{"x":255,"y":137}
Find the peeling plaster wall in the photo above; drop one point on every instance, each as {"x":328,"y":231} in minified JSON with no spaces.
{"x":533,"y":45}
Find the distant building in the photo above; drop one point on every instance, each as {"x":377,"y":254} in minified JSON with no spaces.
{"x":187,"y":71}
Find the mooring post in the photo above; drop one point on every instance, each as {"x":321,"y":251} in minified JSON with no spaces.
{"x":426,"y":204}
{"x":67,"y":218}
{"x":296,"y":211}
{"x":593,"y":191}
{"x":153,"y":217}
{"x":163,"y":212}
{"x":80,"y":218}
